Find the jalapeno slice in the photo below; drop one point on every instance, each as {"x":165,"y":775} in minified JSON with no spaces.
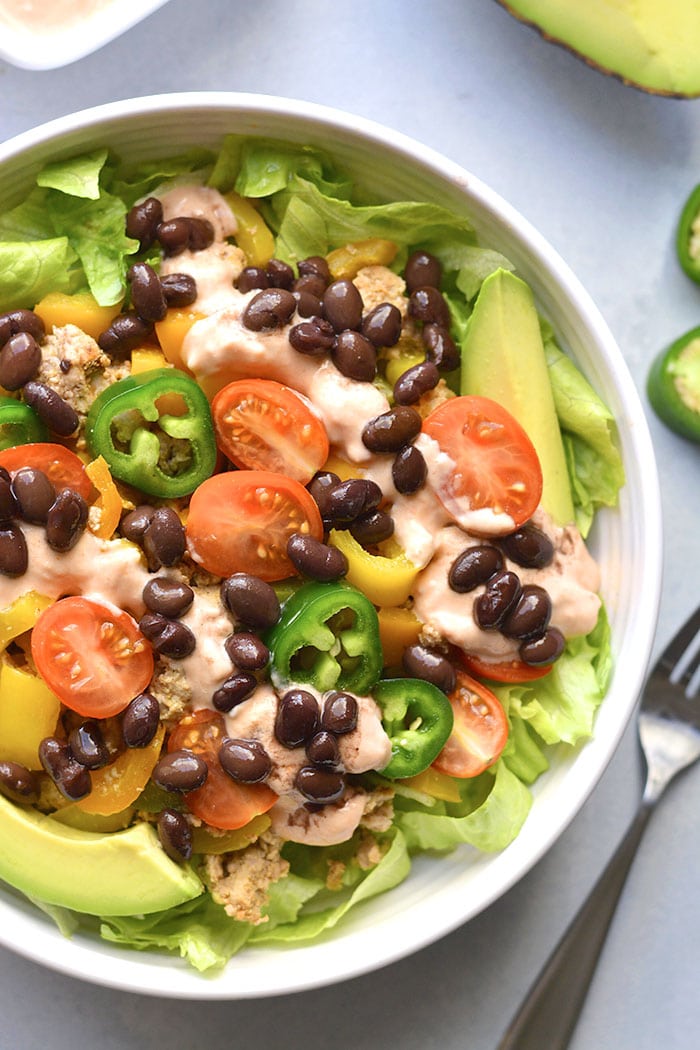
{"x":418,"y":719}
{"x":673,"y":385}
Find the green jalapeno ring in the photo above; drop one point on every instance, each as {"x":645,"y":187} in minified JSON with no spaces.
{"x":673,"y":385}
{"x":684,"y":234}
{"x":418,"y":719}
{"x":327,"y":637}
{"x":186,"y":445}
{"x":19,"y":424}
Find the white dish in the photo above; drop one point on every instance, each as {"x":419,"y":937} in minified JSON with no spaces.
{"x":38,"y":37}
{"x":441,"y":893}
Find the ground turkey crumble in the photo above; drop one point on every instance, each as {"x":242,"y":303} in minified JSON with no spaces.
{"x":240,"y":881}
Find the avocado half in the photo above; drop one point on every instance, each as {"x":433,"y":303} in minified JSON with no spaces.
{"x":649,"y":44}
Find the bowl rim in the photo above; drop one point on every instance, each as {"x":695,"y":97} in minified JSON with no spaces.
{"x":128,"y":971}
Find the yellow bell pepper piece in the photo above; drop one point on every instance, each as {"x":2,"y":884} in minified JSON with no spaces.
{"x":398,"y":628}
{"x":106,"y":511}
{"x":171,"y":332}
{"x":346,"y":262}
{"x":28,"y":712}
{"x":76,"y":818}
{"x":81,"y":309}
{"x":385,"y":578}
{"x":396,"y":366}
{"x":144,"y":358}
{"x":204,"y":841}
{"x":253,"y":236}
{"x":21,"y":616}
{"x":118,"y":785}
{"x":438,"y":785}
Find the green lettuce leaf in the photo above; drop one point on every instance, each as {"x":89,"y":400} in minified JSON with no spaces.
{"x":132,"y":184}
{"x":76,"y":177}
{"x":31,"y":269}
{"x":263,"y":167}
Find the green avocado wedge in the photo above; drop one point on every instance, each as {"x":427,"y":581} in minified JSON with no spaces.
{"x":503,"y":358}
{"x":122,"y":873}
{"x":649,"y":44}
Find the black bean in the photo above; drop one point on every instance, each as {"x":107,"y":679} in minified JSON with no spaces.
{"x":15,"y":321}
{"x":14,"y":556}
{"x":175,"y":834}
{"x":342,"y":305}
{"x":409,"y":470}
{"x":428,"y":304}
{"x":354,"y":356}
{"x":321,"y":786}
{"x":234,"y":690}
{"x":20,"y":358}
{"x":340,"y":713}
{"x":279,"y":274}
{"x":179,"y":289}
{"x":164,"y":538}
{"x":544,"y":650}
{"x":66,"y":520}
{"x":87,"y":745}
{"x":34,"y":494}
{"x":313,"y":337}
{"x":70,"y":777}
{"x":17,"y":782}
{"x":392,"y":430}
{"x":184,"y":233}
{"x":168,"y":637}
{"x":202,"y":234}
{"x":316,"y":560}
{"x":440,"y":347}
{"x":528,"y":546}
{"x":142,"y":221}
{"x":60,"y":417}
{"x":140,"y":720}
{"x":529,"y":617}
{"x":168,"y":597}
{"x":422,"y":269}
{"x":473,"y":567}
{"x":312,"y":284}
{"x":501,"y":594}
{"x":421,"y":662}
{"x":322,"y":749}
{"x":245,"y":760}
{"x":382,"y":325}
{"x":126,"y":332}
{"x":297,"y":718}
{"x":252,"y":277}
{"x":269,"y":309}
{"x":8,"y":503}
{"x":320,"y":487}
{"x":251,"y":600}
{"x":134,"y":524}
{"x":180,"y":771}
{"x":307,"y":304}
{"x":316,"y":266}
{"x":372,"y":528}
{"x":415,"y":382}
{"x":147,"y":295}
{"x":247,"y":651}
{"x":349,"y":499}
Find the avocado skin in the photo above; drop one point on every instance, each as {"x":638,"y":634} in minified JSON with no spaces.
{"x":122,"y":873}
{"x":503,"y":358}
{"x":650,"y":46}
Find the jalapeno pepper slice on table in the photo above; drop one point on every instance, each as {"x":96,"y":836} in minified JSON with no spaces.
{"x":673,"y":385}
{"x":155,"y":447}
{"x":688,"y":237}
{"x":19,"y":424}
{"x":327,"y":637}
{"x":418,"y":719}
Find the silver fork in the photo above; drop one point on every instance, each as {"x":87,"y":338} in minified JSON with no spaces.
{"x":669,"y":732}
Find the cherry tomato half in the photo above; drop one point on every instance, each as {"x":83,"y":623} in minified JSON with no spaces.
{"x":503,"y":670}
{"x":241,"y":521}
{"x":479,"y":733}
{"x":221,"y":801}
{"x":92,"y":656}
{"x":63,"y":467}
{"x":263,"y":425}
{"x":496,"y":466}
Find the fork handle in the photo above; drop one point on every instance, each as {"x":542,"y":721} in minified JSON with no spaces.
{"x":551,"y":1008}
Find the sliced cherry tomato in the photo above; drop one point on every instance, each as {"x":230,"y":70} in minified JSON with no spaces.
{"x":63,"y":467}
{"x":479,"y":733}
{"x":503,"y":670}
{"x":241,"y":521}
{"x":92,"y":656}
{"x":262,"y":425}
{"x":221,"y":801}
{"x":496,"y":466}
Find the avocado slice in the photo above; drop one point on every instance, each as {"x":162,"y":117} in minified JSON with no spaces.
{"x":123,"y":873}
{"x":648,"y":44}
{"x":503,"y":358}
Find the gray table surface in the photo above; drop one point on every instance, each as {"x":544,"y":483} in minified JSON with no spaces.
{"x":601,"y":169}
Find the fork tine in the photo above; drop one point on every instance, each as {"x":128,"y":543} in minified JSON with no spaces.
{"x":679,"y":644}
{"x":688,"y":671}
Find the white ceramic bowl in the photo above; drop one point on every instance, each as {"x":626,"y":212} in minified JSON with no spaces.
{"x":441,"y":893}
